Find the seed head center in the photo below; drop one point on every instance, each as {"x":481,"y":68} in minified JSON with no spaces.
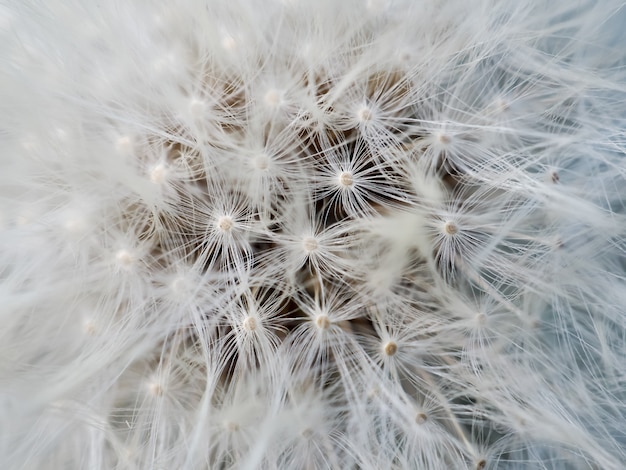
{"x":310,"y":244}
{"x":450,"y":228}
{"x":390,"y":348}
{"x":249,"y":324}
{"x":322,"y":322}
{"x":345,"y":179}
{"x":225,"y":223}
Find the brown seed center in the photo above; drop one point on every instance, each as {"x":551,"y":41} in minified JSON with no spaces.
{"x":390,"y":348}
{"x":345,"y":179}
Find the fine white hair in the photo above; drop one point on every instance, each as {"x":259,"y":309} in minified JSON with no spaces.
{"x":291,"y":234}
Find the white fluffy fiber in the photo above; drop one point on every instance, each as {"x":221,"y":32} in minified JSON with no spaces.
{"x":329,"y":234}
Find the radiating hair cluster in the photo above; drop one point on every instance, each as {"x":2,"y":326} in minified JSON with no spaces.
{"x":286,"y":234}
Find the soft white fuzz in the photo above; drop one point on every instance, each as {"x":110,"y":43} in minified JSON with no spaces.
{"x":360,"y":234}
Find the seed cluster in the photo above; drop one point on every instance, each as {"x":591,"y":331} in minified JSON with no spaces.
{"x":348,"y":245}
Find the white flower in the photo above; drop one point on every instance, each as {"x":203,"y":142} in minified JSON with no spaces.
{"x":333,"y":234}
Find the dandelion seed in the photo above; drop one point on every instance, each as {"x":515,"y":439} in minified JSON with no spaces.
{"x":316,"y":238}
{"x":225,"y":223}
{"x":229,"y":43}
{"x":322,"y":322}
{"x":249,"y":324}
{"x":450,"y":228}
{"x":443,"y":139}
{"x":554,"y":176}
{"x":156,"y":388}
{"x":345,"y":179}
{"x":262,"y":162}
{"x":158,"y":174}
{"x":231,"y":426}
{"x":75,"y":225}
{"x":390,"y":348}
{"x":125,"y":259}
{"x":364,"y":114}
{"x":273,"y":98}
{"x":196,"y":108}
{"x":90,"y":328}
{"x":421,"y":418}
{"x":124,"y":145}
{"x":310,"y":244}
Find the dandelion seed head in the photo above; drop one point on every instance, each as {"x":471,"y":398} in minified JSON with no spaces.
{"x":322,"y":321}
{"x":421,"y":418}
{"x":229,"y":43}
{"x":159,"y":173}
{"x":273,"y":98}
{"x":196,"y":108}
{"x":155,"y":388}
{"x":390,"y":348}
{"x":90,"y":327}
{"x":310,"y":244}
{"x":327,"y":233}
{"x":450,"y":228}
{"x":364,"y":114}
{"x":225,"y":223}
{"x":180,"y":285}
{"x":554,"y":176}
{"x":249,"y":323}
{"x":125,"y":258}
{"x":231,"y":426}
{"x":262,"y":162}
{"x":124,"y":145}
{"x":345,"y":179}
{"x":76,"y":225}
{"x":443,"y":139}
